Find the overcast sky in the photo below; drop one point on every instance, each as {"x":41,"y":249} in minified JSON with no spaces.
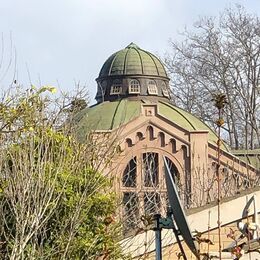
{"x":68,"y":40}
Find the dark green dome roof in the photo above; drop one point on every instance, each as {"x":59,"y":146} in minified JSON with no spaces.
{"x":132,"y":61}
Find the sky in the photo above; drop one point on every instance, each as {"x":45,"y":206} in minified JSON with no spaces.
{"x":64,"y":42}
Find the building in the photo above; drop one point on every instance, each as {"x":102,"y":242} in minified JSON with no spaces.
{"x":134,"y":110}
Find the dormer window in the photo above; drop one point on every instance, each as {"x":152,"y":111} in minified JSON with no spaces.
{"x":134,"y":87}
{"x":116,"y":88}
{"x":165,"y":90}
{"x":152,"y":88}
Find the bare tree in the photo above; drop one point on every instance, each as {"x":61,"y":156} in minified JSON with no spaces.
{"x":221,"y":55}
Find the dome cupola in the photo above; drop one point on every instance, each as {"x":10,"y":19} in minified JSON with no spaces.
{"x":132,"y":73}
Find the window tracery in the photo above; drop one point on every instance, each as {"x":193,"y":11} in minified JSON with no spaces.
{"x":143,"y":187}
{"x":131,"y":212}
{"x":129,"y":175}
{"x":150,"y":169}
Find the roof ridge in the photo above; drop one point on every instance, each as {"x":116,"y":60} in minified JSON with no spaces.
{"x":111,"y":65}
{"x":151,"y":56}
{"x":174,"y":108}
{"x":139,"y":55}
{"x":159,"y":60}
{"x":125,"y":60}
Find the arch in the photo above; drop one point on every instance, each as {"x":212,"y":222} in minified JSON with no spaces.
{"x":129,"y":174}
{"x":139,"y":136}
{"x":214,"y":165}
{"x":129,"y":142}
{"x":173,"y":145}
{"x":150,"y":133}
{"x":140,"y":151}
{"x":185,"y":151}
{"x":134,"y":87}
{"x":161,"y":137}
{"x":143,"y":185}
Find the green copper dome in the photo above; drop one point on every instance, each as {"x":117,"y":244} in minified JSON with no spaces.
{"x":132,"y":73}
{"x":132,"y":61}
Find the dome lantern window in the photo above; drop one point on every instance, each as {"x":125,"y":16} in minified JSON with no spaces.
{"x":134,"y":87}
{"x":116,"y":88}
{"x":165,"y":90}
{"x":152,"y":88}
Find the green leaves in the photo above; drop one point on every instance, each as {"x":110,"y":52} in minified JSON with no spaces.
{"x":54,"y":204}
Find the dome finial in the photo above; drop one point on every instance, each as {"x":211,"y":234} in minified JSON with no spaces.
{"x":132,"y":45}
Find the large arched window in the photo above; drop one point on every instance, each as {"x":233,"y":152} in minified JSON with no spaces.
{"x":143,"y":187}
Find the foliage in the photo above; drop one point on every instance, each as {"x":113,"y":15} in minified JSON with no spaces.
{"x":54,"y":205}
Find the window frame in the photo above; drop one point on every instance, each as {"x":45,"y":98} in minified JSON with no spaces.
{"x":165,"y":90}
{"x":133,"y":84}
{"x":152,"y":87}
{"x":116,"y":89}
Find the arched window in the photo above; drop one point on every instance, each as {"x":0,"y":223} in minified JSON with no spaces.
{"x":173,"y":145}
{"x":165,"y":90}
{"x":150,"y":133}
{"x":152,"y":88}
{"x":143,"y":188}
{"x":139,"y":136}
{"x":161,"y":139}
{"x":134,"y":87}
{"x":129,"y":175}
{"x":129,"y":142}
{"x":116,"y":88}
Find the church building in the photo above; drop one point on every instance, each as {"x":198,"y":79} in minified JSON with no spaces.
{"x":134,"y":109}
